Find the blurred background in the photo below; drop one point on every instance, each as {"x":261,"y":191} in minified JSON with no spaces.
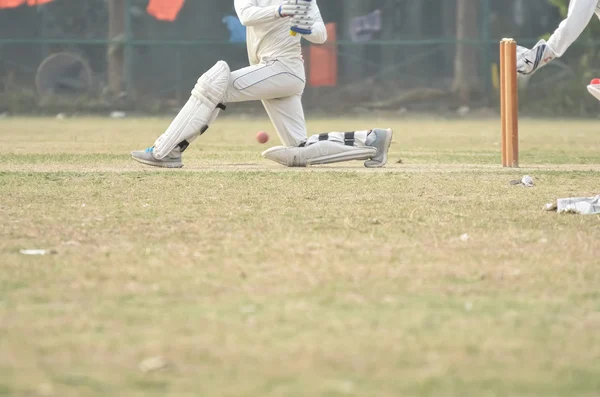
{"x":396,"y":56}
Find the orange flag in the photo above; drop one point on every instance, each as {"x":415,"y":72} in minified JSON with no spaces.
{"x":11,"y":3}
{"x":17,"y":3}
{"x":165,"y":10}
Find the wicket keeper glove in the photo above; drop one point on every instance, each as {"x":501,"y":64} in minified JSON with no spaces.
{"x":291,"y":8}
{"x":529,"y":61}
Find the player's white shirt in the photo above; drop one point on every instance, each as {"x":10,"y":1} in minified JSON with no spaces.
{"x":268,"y":35}
{"x":580,"y":15}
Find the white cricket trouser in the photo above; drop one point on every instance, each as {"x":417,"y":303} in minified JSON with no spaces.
{"x":279,"y":85}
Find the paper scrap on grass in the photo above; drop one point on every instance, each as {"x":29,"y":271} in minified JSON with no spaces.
{"x":526,"y":181}
{"x":37,"y":252}
{"x":576,"y":205}
{"x":153,"y":364}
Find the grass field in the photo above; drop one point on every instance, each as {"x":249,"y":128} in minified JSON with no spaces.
{"x":237,"y":277}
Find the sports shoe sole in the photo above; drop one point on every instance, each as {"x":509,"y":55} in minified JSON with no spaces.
{"x":158,"y":164}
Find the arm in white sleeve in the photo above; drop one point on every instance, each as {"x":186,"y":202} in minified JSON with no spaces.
{"x":319,"y":32}
{"x":251,"y":14}
{"x":580,"y":15}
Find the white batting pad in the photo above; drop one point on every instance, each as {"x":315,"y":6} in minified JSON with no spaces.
{"x":323,"y":152}
{"x":199,"y":111}
{"x":359,"y":137}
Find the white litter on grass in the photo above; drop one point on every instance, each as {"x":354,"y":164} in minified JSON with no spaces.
{"x":465,"y":237}
{"x":37,"y":252}
{"x":61,"y":116}
{"x":153,"y":364}
{"x":526,"y":181}
{"x":576,"y":205}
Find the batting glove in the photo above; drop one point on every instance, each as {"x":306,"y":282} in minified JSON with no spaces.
{"x":530,"y":60}
{"x":303,"y":24}
{"x":292,"y":8}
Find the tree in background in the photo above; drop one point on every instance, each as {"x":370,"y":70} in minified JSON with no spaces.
{"x":466,"y":76}
{"x":115,"y":53}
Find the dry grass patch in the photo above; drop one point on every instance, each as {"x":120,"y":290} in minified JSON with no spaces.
{"x":246,"y":279}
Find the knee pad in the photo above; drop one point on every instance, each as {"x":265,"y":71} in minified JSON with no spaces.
{"x":211,"y":87}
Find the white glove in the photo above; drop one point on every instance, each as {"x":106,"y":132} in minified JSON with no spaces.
{"x":303,"y":24}
{"x":302,"y":18}
{"x":529,"y":61}
{"x":292,"y":8}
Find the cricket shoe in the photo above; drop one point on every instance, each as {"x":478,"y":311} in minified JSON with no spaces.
{"x":147,"y":157}
{"x":383,"y":140}
{"x":594,"y":88}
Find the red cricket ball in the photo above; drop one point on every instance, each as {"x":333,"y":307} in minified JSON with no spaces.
{"x":262,"y":137}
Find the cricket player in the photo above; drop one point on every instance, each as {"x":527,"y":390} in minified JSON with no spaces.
{"x":276,"y":77}
{"x":579,"y":16}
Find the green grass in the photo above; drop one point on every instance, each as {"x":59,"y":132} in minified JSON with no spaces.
{"x":250,"y":279}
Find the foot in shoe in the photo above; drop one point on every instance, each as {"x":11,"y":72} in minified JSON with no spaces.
{"x":147,"y":157}
{"x":383,"y":140}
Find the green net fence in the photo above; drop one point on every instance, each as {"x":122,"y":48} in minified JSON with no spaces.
{"x":397,"y":54}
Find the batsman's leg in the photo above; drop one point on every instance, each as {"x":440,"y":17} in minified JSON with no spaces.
{"x":287,"y":116}
{"x":335,"y":147}
{"x":216,"y":87}
{"x":192,"y":121}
